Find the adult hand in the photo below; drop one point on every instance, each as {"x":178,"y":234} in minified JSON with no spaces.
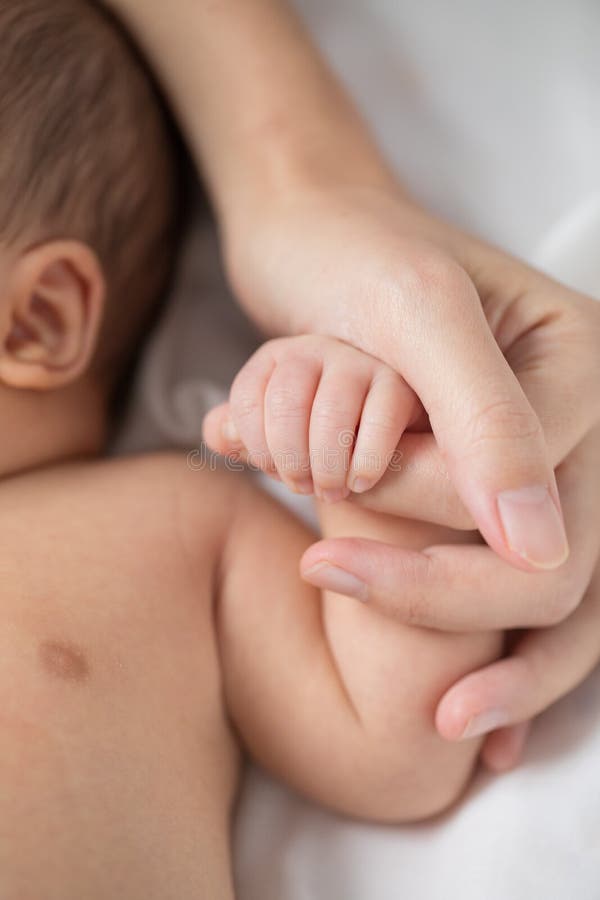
{"x":407,"y":288}
{"x":318,"y":237}
{"x":505,"y":362}
{"x":550,"y":338}
{"x":469,"y":588}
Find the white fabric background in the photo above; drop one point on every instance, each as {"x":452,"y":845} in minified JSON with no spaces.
{"x":490,"y":109}
{"x":491,"y":112}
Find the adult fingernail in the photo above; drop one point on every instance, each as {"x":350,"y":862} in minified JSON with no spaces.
{"x":229,"y":431}
{"x":332,"y":578}
{"x":484,"y":722}
{"x":533,"y":526}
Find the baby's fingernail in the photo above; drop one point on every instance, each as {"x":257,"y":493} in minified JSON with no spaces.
{"x":533,"y":526}
{"x":484,"y":722}
{"x":360,"y":485}
{"x":305,"y":486}
{"x":332,"y":578}
{"x":332,"y":495}
{"x":229,"y":431}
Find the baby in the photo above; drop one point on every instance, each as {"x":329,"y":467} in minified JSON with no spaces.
{"x":152,"y":616}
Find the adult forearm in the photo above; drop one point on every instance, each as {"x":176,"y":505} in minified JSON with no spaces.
{"x":260,"y":109}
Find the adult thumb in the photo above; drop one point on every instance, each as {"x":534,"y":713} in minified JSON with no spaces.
{"x":489,"y":435}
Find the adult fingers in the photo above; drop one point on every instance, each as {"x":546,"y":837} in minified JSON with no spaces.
{"x":468,"y":588}
{"x":558,"y":367}
{"x":416,"y":485}
{"x":543,"y":667}
{"x":447,"y":587}
{"x":484,"y":425}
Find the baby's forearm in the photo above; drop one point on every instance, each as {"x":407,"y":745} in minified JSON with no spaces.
{"x":328,"y":694}
{"x":396,"y":674}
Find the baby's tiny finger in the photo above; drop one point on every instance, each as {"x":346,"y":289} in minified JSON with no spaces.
{"x":220,"y":432}
{"x":288,"y":404}
{"x":247,"y":409}
{"x":388,"y":409}
{"x":334,"y":420}
{"x":221,"y":436}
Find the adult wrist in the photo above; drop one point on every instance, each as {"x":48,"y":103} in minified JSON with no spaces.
{"x":297,"y":229}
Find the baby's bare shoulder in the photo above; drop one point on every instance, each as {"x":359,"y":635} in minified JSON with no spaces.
{"x":153,"y":509}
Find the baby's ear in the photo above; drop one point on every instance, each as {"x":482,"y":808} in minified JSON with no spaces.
{"x":50,"y":316}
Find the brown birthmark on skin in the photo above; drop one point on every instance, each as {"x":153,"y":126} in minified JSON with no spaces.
{"x":64,"y":660}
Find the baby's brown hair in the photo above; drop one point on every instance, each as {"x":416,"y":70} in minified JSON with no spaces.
{"x":86,"y":153}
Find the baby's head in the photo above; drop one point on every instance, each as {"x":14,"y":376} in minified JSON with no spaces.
{"x":87,"y":195}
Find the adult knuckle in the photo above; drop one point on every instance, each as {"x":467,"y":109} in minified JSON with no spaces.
{"x":433,"y":273}
{"x":417,"y":599}
{"x":421,"y":271}
{"x":503,"y":420}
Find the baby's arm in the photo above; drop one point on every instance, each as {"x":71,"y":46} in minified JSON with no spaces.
{"x":326,"y":691}
{"x":333,"y":697}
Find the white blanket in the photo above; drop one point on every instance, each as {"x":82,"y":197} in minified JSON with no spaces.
{"x":491,"y":111}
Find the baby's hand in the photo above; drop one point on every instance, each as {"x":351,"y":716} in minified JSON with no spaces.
{"x":315,"y":412}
